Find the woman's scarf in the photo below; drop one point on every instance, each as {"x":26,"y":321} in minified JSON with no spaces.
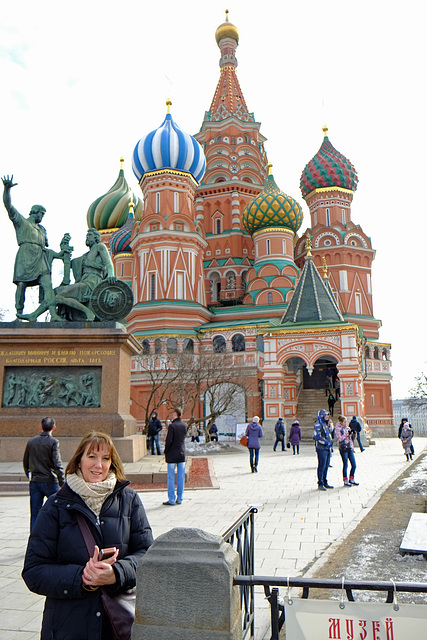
{"x":94,"y":494}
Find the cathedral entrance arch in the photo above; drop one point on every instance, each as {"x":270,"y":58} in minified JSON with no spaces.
{"x":317,"y":379}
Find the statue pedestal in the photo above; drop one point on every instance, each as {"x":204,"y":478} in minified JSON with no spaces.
{"x":77,"y":373}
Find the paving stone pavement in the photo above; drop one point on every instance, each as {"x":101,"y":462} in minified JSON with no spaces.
{"x":294,"y":526}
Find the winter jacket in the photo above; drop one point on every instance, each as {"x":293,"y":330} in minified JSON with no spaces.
{"x":280,"y":429}
{"x":406,"y":436}
{"x":322,"y":436}
{"x":42,"y":459}
{"x":344,"y":436}
{"x":295,"y":435}
{"x":254,"y":433}
{"x":175,"y":441}
{"x":57,"y":554}
{"x":154,"y":426}
{"x":355,"y":425}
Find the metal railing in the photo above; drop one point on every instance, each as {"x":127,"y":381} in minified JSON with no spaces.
{"x":241,"y":536}
{"x":277,"y":609}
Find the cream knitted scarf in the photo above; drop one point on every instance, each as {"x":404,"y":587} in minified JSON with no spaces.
{"x":93,"y":493}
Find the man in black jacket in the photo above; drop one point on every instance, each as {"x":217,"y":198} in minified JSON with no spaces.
{"x":43,"y":465}
{"x":175,"y":457}
{"x":154,"y":428}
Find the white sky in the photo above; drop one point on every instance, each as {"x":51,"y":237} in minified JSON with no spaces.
{"x":81,"y":82}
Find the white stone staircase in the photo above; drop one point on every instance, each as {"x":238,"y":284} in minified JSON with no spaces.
{"x":309,"y":403}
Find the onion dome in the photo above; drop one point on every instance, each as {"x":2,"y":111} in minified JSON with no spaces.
{"x":120,"y":239}
{"x":272,"y":208}
{"x":110,"y":211}
{"x":328,"y":168}
{"x":226,"y":30}
{"x":169,"y":148}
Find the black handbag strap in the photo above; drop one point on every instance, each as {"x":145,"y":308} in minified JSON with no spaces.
{"x":88,"y":537}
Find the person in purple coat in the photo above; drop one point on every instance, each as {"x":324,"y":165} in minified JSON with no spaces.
{"x":295,"y":436}
{"x":254,"y":433}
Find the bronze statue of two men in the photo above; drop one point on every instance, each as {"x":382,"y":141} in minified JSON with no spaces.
{"x":33,"y":266}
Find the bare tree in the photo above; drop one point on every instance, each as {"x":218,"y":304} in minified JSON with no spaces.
{"x":211,"y":378}
{"x":160,"y":374}
{"x":418,"y":393}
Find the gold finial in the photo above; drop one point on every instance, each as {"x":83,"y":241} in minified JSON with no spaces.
{"x":169,"y":104}
{"x":121,"y":163}
{"x":270,"y":167}
{"x":131,"y":207}
{"x":226,"y":15}
{"x":308,"y":243}
{"x":325,"y":130}
{"x":325,"y":268}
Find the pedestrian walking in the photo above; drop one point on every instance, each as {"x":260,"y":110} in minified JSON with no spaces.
{"x":213,"y":433}
{"x":356,"y":427}
{"x":331,"y":402}
{"x":153,"y":432}
{"x":254,"y":433}
{"x":402,"y":423}
{"x":280,"y":434}
{"x":295,"y":436}
{"x":337,"y":387}
{"x":95,"y":509}
{"x":175,"y":458}
{"x":194,"y":432}
{"x":345,"y":442}
{"x":406,"y":436}
{"x":43,"y":466}
{"x":323,"y":441}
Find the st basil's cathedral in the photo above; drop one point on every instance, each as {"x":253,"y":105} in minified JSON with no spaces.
{"x":215,"y":255}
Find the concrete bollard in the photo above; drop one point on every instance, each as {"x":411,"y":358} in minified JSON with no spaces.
{"x":185,"y":589}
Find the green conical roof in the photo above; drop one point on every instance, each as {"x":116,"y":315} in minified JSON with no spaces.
{"x":312,"y":301}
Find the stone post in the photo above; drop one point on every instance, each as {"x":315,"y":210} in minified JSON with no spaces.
{"x":185,"y":589}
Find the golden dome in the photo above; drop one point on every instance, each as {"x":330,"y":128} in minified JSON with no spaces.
{"x":226,"y":30}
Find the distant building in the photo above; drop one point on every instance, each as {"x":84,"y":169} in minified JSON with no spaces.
{"x":415,"y":411}
{"x":216,"y":261}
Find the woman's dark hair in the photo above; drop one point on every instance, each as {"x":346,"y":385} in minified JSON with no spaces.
{"x":93,"y":441}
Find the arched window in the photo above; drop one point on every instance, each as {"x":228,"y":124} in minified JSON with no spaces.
{"x":376,"y":353}
{"x":260,"y":343}
{"x":328,"y":218}
{"x":176,"y":202}
{"x":157,"y":346}
{"x":188,"y":346}
{"x":269,"y":298}
{"x":218,"y":225}
{"x":158,"y":202}
{"x":244,"y":280}
{"x":238,"y":342}
{"x":219,"y":344}
{"x":384,"y":354}
{"x":268,"y":247}
{"x":146,"y":347}
{"x":172,"y":345}
{"x":367,"y":352}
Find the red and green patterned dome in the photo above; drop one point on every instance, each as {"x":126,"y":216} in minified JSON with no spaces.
{"x":328,"y":168}
{"x":272,"y":208}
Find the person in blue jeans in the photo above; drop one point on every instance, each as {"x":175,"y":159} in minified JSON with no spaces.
{"x":43,"y":466}
{"x":175,"y":458}
{"x":345,"y":438}
{"x":323,"y":441}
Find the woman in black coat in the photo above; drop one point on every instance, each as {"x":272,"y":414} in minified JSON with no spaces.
{"x":57,"y":563}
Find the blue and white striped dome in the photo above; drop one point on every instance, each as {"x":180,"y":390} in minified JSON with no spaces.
{"x":169,"y":148}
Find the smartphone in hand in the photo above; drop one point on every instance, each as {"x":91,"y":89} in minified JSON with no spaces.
{"x":106,"y":553}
